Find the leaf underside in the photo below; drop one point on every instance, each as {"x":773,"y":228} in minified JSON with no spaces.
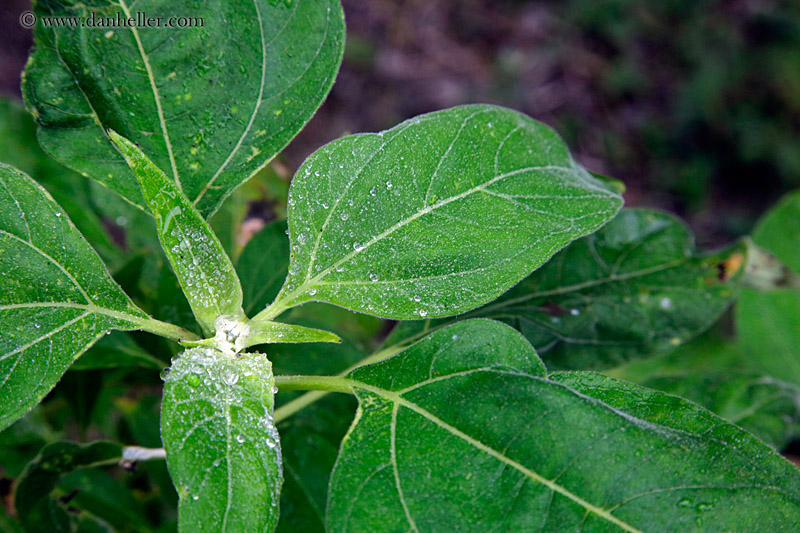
{"x":210,"y":116}
{"x":56,"y":296}
{"x":428,"y":451}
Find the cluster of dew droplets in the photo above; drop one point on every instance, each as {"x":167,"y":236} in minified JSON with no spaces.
{"x":231,"y":335}
{"x":227,"y":384}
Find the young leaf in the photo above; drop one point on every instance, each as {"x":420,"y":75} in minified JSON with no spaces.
{"x":768,"y":323}
{"x":204,"y":270}
{"x":429,"y":450}
{"x":222,"y":446}
{"x":36,"y":508}
{"x":435,"y":216}
{"x":56,"y":297}
{"x":211,"y":116}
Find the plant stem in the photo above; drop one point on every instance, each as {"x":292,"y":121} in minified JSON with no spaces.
{"x":315,"y":383}
{"x":308,"y":398}
{"x":167,"y":330}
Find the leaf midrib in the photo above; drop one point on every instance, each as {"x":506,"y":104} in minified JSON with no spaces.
{"x":94,"y":309}
{"x":156,"y":95}
{"x":398,"y":399}
{"x":310,"y":282}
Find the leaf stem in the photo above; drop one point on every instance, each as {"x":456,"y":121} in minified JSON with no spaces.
{"x":315,"y":383}
{"x":164,"y":329}
{"x":318,"y":393}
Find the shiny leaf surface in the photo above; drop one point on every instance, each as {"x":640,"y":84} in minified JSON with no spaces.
{"x":437,"y":215}
{"x":210,"y":116}
{"x":428,"y":452}
{"x":223,"y":450}
{"x":56,"y":296}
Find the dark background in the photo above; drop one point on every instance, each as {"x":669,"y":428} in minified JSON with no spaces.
{"x":694,"y":104}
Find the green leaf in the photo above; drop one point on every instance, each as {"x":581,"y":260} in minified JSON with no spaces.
{"x":210,"y":115}
{"x":37,"y":509}
{"x":712,"y":372}
{"x":634,"y":289}
{"x":436,"y":216}
{"x":223,"y":450}
{"x":56,"y":297}
{"x":204,"y":270}
{"x":19,"y":148}
{"x":429,"y":451}
{"x":768,"y":323}
{"x":105,"y":498}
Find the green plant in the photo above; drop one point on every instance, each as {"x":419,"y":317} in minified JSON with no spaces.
{"x":473,"y":226}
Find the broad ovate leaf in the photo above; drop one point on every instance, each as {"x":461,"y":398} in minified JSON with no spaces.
{"x":204,"y":270}
{"x":464,"y":430}
{"x":437,"y":215}
{"x":768,"y":322}
{"x":223,"y":450}
{"x":56,"y":296}
{"x":211,"y":101}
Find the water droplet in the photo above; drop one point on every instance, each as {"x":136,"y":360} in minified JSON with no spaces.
{"x":357,"y":246}
{"x":373,"y":277}
{"x":312,"y":291}
{"x":685,"y":503}
{"x":389,"y":185}
{"x":240,"y":438}
{"x":290,"y":201}
{"x":423,"y":312}
{"x":373,"y":191}
{"x":195,"y":497}
{"x":417,"y":299}
{"x":164,"y":374}
{"x":345,"y":216}
{"x":666,"y":303}
{"x":575,"y":312}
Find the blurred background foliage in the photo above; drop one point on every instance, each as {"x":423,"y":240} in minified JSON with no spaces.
{"x":694,"y":104}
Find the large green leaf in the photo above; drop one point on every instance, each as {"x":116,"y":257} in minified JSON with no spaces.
{"x":464,"y":431}
{"x":223,"y":450}
{"x":768,"y":322}
{"x":436,"y":216}
{"x":204,"y":270}
{"x":211,"y":115}
{"x":714,"y":373}
{"x":56,"y":297}
{"x":634,"y":289}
